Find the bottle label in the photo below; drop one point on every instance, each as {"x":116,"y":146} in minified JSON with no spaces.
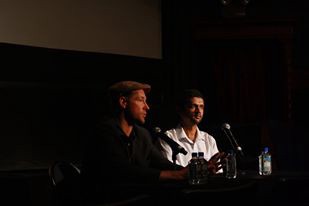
{"x":267,"y":163}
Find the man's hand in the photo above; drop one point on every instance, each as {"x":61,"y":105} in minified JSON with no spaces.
{"x":215,"y":162}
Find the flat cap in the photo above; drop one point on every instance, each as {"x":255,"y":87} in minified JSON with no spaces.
{"x":128,"y":86}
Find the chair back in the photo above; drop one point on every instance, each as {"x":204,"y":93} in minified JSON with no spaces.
{"x":65,"y":182}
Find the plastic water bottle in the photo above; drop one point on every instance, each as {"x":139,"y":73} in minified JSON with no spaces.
{"x":265,"y":162}
{"x":202,"y":168}
{"x":193,"y":169}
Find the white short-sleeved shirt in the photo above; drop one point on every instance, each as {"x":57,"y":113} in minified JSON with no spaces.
{"x":203,"y":143}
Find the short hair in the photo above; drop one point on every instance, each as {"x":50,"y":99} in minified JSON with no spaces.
{"x":183,"y":97}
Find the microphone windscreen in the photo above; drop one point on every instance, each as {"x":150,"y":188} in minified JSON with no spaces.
{"x":157,"y":129}
{"x":226,"y":126}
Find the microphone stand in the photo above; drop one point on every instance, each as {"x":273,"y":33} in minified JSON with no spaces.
{"x":229,"y":138}
{"x":176,"y":148}
{"x":237,"y":149}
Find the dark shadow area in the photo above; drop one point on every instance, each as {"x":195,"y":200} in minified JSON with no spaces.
{"x":51,"y":99}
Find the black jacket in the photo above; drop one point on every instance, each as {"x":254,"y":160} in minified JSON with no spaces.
{"x":113,"y":161}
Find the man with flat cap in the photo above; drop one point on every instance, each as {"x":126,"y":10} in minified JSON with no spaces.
{"x":121,"y":152}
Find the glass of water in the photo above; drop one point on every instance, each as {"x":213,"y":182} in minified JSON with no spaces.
{"x":230,"y":167}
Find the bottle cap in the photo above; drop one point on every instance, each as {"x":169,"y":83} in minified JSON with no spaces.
{"x":194,"y":154}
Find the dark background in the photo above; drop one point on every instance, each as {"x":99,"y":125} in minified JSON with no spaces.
{"x":252,"y":68}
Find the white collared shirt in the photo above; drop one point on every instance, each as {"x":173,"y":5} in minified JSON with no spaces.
{"x":203,"y":143}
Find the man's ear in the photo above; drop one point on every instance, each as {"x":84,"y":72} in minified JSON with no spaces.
{"x":123,"y":102}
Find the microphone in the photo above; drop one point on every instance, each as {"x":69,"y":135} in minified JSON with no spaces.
{"x":227,"y":131}
{"x":174,"y":145}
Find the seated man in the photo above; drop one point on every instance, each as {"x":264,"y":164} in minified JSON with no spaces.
{"x":190,"y":110}
{"x":120,"y":159}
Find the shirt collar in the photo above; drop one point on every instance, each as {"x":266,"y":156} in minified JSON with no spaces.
{"x":181,"y":135}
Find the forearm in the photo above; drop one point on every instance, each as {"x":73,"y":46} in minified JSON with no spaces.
{"x":174,"y":174}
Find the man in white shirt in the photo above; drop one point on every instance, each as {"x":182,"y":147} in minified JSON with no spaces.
{"x":190,"y":108}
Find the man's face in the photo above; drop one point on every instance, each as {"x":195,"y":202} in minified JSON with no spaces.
{"x":194,"y":110}
{"x":136,"y":106}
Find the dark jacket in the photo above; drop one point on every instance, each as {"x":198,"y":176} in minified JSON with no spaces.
{"x":113,"y":161}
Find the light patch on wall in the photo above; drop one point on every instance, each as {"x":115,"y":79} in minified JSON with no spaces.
{"x":109,"y":26}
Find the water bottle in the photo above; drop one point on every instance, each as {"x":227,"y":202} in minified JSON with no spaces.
{"x":202,"y":168}
{"x":193,"y":169}
{"x":230,"y":168}
{"x":265,"y":162}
